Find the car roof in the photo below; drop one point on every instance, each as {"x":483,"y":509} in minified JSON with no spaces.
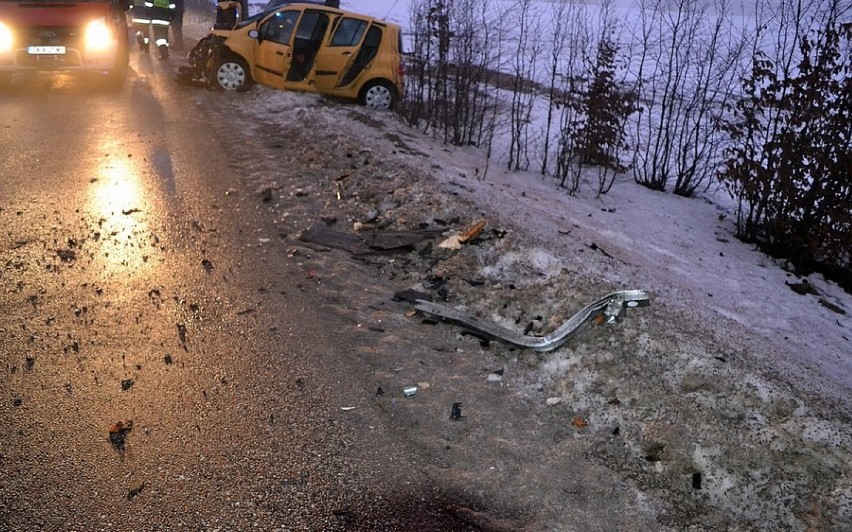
{"x":324,"y":6}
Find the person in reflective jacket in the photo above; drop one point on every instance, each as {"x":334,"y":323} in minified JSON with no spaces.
{"x":140,"y":16}
{"x":161,"y":14}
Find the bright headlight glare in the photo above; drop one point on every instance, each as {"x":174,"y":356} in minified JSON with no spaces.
{"x":98,"y":35}
{"x":5,"y":38}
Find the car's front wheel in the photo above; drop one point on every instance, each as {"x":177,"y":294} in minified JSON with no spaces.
{"x":232,"y":74}
{"x":378,"y":95}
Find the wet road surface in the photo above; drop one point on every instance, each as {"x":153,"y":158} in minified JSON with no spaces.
{"x":161,"y":365}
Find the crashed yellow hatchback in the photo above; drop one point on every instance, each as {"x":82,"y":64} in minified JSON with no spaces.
{"x":304,"y":47}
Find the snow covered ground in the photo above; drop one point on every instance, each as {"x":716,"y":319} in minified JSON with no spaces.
{"x":688,"y":245}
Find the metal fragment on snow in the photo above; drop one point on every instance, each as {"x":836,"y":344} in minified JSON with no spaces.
{"x":610,"y":309}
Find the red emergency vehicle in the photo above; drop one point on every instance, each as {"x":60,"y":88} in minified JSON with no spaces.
{"x":64,"y":35}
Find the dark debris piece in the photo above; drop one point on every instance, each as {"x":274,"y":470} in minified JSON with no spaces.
{"x":832,"y":307}
{"x":412,"y":296}
{"x":30,"y":362}
{"x":168,"y":359}
{"x":696,"y":481}
{"x":135,"y":491}
{"x":802,"y":288}
{"x":118,"y":433}
{"x":126,"y":384}
{"x":208,"y":266}
{"x":66,"y":255}
{"x":455,"y":413}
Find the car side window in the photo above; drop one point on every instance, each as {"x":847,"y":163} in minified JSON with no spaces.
{"x":312,"y":27}
{"x":348,"y":32}
{"x":279,"y":27}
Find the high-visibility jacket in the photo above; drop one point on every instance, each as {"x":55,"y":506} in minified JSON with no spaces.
{"x":161,"y":11}
{"x":140,"y":13}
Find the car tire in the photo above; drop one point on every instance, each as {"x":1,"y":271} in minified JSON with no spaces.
{"x":232,"y":74}
{"x":378,"y":95}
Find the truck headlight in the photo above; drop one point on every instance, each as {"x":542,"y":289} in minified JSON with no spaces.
{"x":98,"y":36}
{"x":5,"y":38}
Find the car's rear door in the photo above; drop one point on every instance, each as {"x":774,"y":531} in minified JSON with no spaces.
{"x":336,"y":57}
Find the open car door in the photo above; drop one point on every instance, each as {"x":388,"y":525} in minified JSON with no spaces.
{"x":273,"y":55}
{"x":351,"y":47}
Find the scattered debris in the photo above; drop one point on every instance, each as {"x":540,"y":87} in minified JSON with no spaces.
{"x":167,"y":359}
{"x":494,"y":377}
{"x":553,"y":401}
{"x":30,"y":362}
{"x":409,"y":391}
{"x":17,"y":401}
{"x":266,"y":194}
{"x":379,"y":391}
{"x":455,"y":241}
{"x":612,"y":307}
{"x":803,"y":288}
{"x":696,"y":481}
{"x":595,"y":247}
{"x":66,"y":255}
{"x":366,"y":241}
{"x":412,"y":296}
{"x":126,"y":384}
{"x":208,"y":266}
{"x":347,"y":408}
{"x":579,"y":422}
{"x":118,"y":433}
{"x":455,"y":413}
{"x":134,"y":491}
{"x":128,"y":212}
{"x":832,"y":307}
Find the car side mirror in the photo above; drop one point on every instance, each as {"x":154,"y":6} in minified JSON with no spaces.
{"x":254,"y":34}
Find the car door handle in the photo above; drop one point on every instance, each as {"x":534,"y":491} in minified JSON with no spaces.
{"x":347,"y":53}
{"x":279,"y":53}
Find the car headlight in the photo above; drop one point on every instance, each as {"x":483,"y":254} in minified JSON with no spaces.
{"x":5,"y":38}
{"x":98,"y":35}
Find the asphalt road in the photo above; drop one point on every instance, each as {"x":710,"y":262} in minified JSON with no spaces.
{"x":162,"y":366}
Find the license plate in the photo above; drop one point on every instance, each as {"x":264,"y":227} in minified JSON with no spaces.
{"x":45,"y":50}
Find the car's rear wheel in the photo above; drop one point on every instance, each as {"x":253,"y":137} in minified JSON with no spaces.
{"x":378,"y":95}
{"x":232,"y":74}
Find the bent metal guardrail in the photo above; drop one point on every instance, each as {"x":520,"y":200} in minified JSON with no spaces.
{"x":612,"y":307}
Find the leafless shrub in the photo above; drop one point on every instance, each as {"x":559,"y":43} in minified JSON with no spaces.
{"x":685,"y":73}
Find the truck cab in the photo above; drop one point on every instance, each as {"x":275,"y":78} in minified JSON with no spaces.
{"x":64,"y":35}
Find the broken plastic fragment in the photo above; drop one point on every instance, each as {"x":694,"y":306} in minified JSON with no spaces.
{"x":610,"y":308}
{"x":409,"y":391}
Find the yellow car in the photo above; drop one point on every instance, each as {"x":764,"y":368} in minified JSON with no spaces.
{"x":305,"y":47}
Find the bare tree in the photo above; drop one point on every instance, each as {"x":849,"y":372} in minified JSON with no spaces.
{"x":454,"y":48}
{"x":528,"y":49}
{"x":685,"y":72}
